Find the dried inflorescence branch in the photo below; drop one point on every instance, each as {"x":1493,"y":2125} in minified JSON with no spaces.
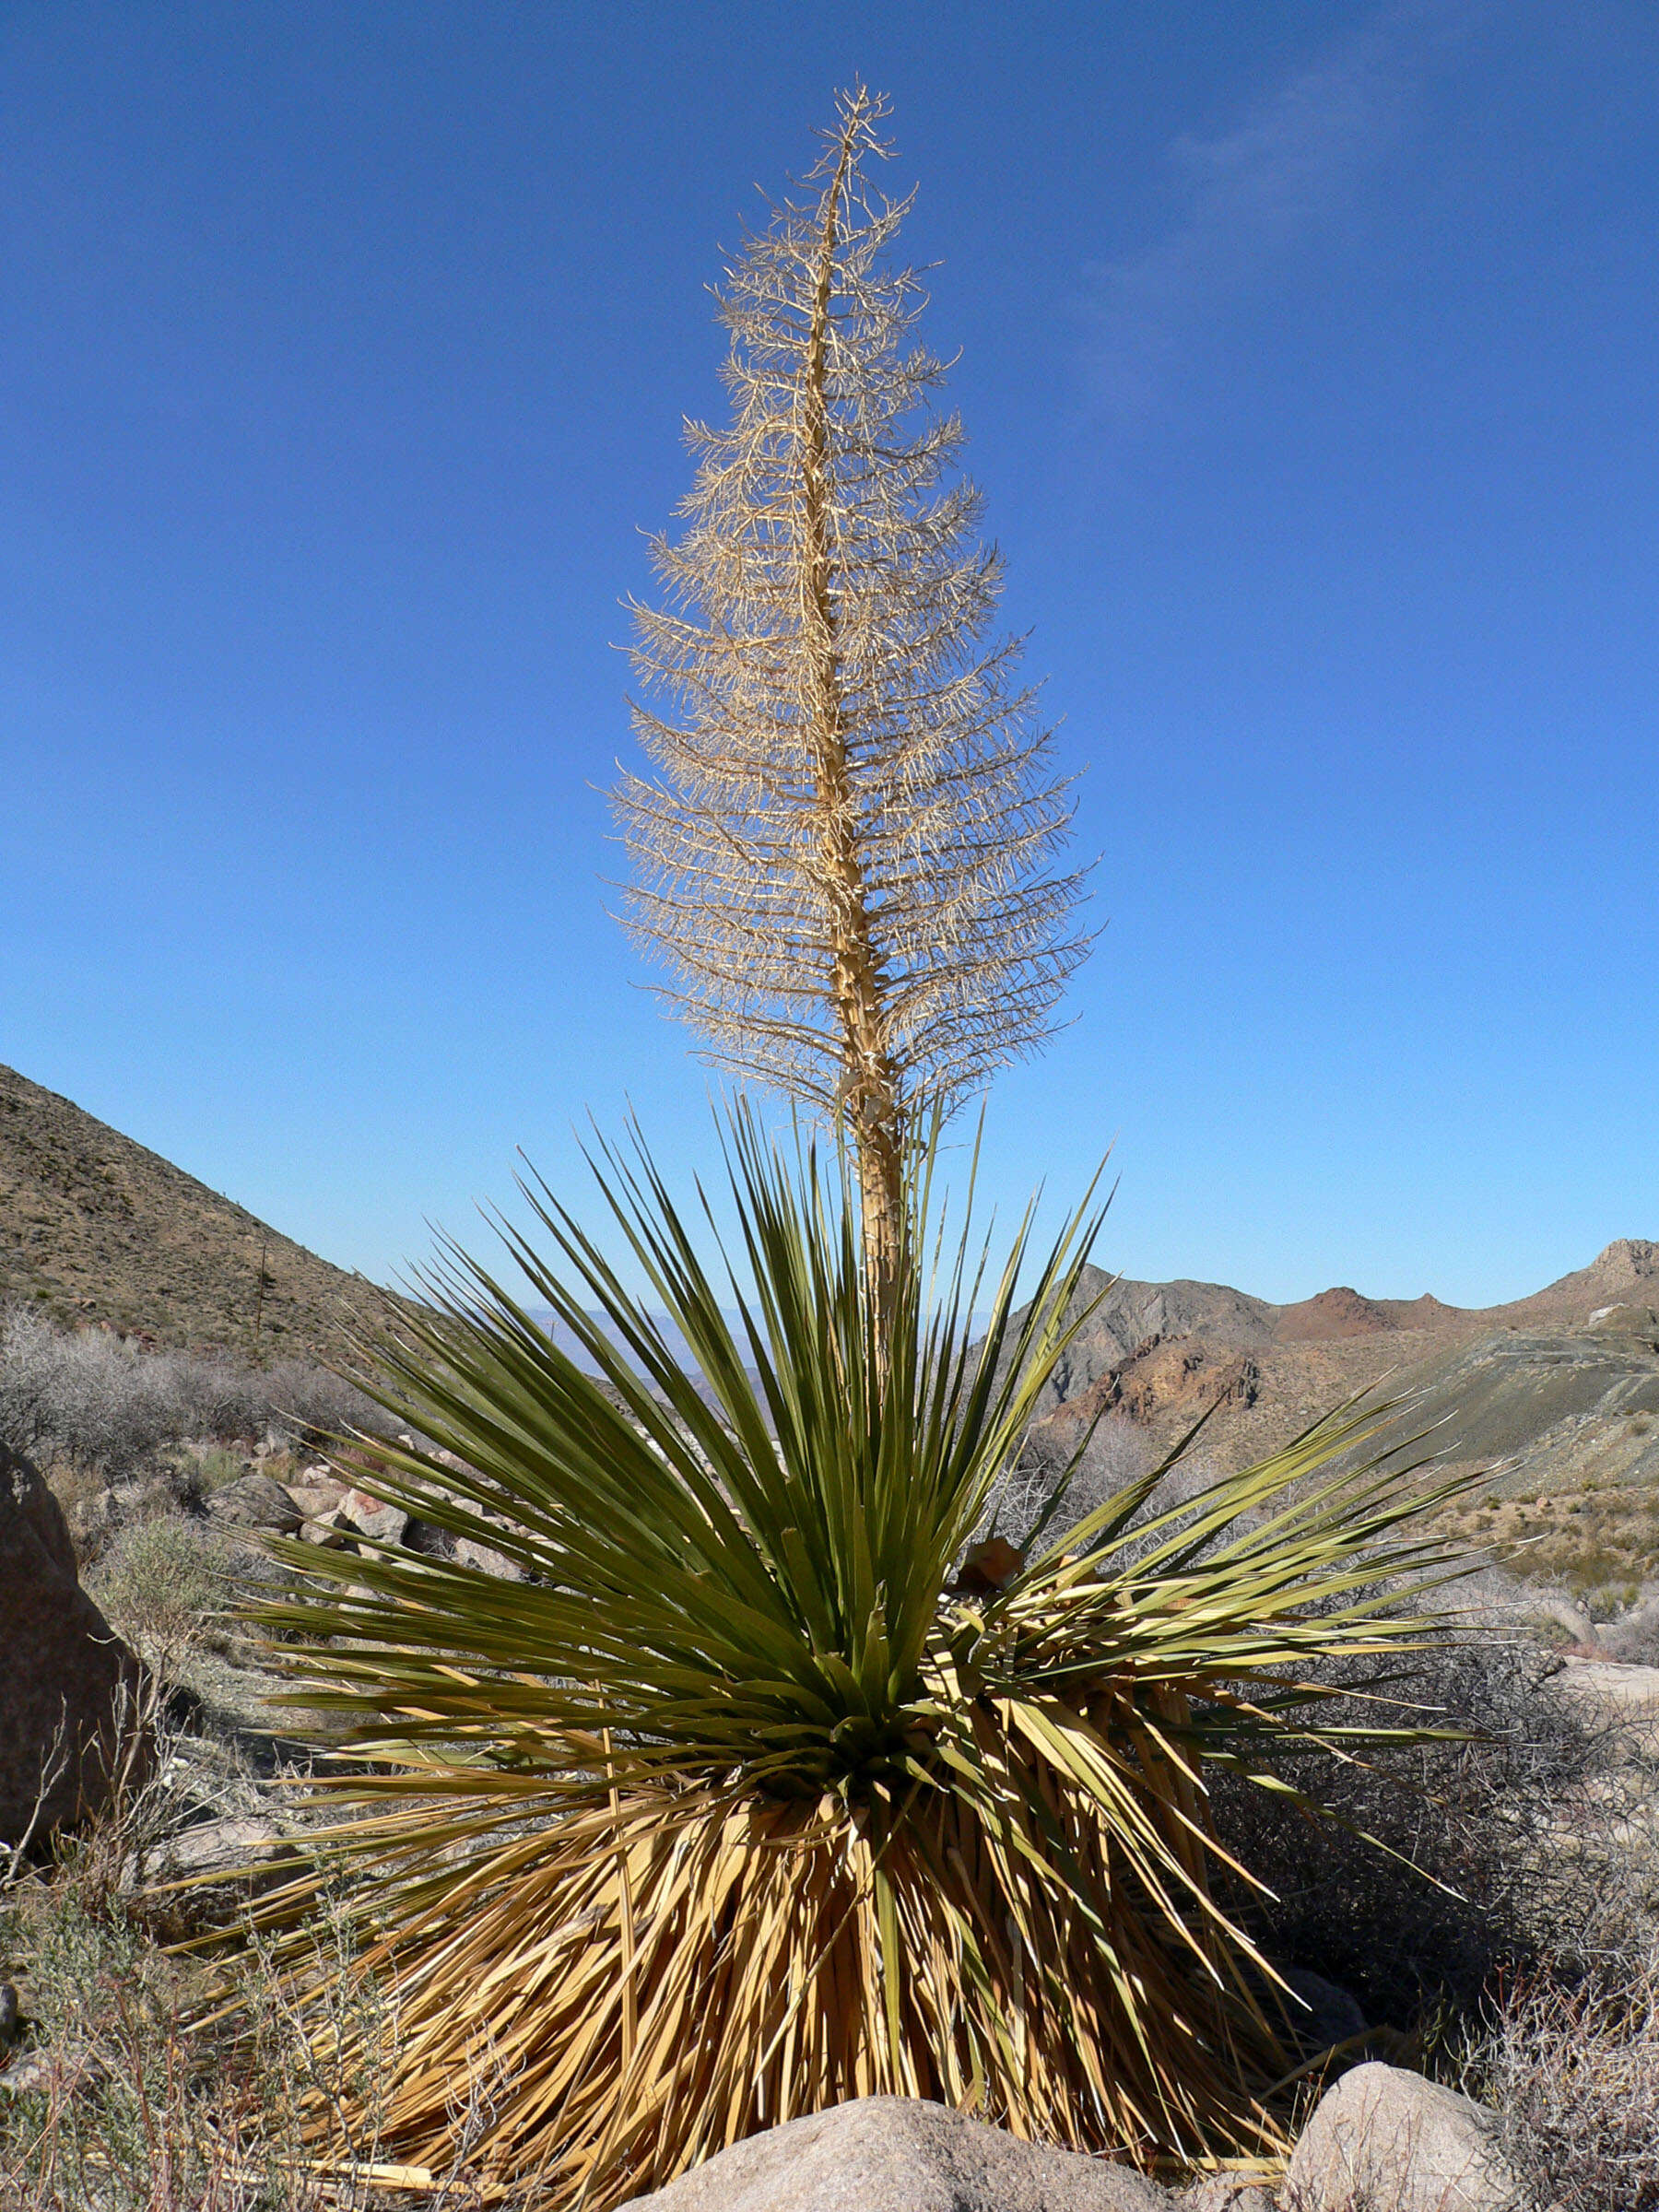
{"x":842,"y":854}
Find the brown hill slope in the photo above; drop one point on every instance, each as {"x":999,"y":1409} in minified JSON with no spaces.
{"x":94,"y":1226}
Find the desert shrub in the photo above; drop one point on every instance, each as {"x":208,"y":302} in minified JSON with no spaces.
{"x":85,"y":1397}
{"x":213,"y":1468}
{"x":136,"y":2101}
{"x":772,"y":1788}
{"x":1571,"y":2068}
{"x":110,"y":2080}
{"x":104,"y":1404}
{"x":213,"y":1395}
{"x":130,"y":2091}
{"x":309,"y":1405}
{"x":1058,"y":1482}
{"x":1449,"y":1866}
{"x":1065,"y":1479}
{"x":1604,"y":1600}
{"x":164,"y":1583}
{"x":291,"y":1402}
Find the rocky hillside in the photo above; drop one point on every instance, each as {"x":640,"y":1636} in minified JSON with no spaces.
{"x":1562,"y":1386}
{"x":95,"y":1227}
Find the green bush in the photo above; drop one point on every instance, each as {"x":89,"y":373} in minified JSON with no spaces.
{"x":165,"y":1583}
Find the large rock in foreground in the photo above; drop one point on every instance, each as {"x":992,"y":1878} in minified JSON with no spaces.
{"x":1386,"y":2138}
{"x":900,"y":2154}
{"x":69,"y":1685}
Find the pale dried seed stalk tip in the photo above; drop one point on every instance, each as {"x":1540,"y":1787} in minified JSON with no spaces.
{"x":840,"y":857}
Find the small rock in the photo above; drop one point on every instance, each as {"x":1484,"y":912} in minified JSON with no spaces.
{"x":255,"y":1501}
{"x":33,"y":2071}
{"x":380,"y":1522}
{"x":9,"y":2012}
{"x":57,"y":2073}
{"x":237,"y":1846}
{"x":488,"y":1560}
{"x":900,"y":2154}
{"x":1383,"y":2137}
{"x":1226,"y":2193}
{"x":331,"y":1530}
{"x":316,"y":1499}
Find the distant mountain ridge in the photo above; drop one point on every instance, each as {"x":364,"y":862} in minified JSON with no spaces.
{"x":566,"y":1341}
{"x":1564,"y":1380}
{"x":95,"y":1228}
{"x":1627,"y":1269}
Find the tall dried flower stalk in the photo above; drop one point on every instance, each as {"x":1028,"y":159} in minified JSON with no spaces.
{"x":842,"y":854}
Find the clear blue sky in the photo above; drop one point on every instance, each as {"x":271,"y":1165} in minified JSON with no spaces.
{"x":1307,"y":358}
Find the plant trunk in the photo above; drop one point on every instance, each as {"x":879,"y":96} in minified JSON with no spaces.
{"x":869,"y":1088}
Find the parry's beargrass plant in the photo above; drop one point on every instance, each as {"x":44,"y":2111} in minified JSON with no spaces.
{"x":768,"y":1789}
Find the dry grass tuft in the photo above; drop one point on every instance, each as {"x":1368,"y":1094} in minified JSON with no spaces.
{"x":125,"y":2090}
{"x":1573,"y":2074}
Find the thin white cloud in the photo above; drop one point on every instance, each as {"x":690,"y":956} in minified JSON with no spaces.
{"x":1247,"y":198}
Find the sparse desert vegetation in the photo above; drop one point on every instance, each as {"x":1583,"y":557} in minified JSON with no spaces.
{"x":1485,"y":1905}
{"x":127,"y":1433}
{"x":1599,"y":1544}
